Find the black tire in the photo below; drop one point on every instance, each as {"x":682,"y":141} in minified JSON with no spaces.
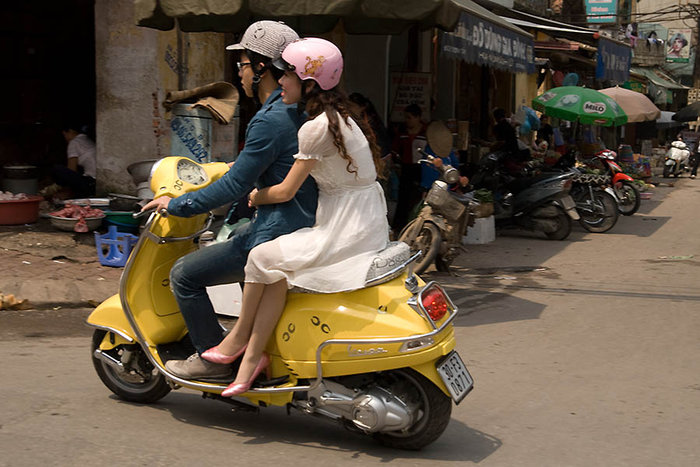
{"x":563,"y":226}
{"x":434,"y":407}
{"x":130,"y":386}
{"x":427,"y":240}
{"x":667,"y":171}
{"x":629,"y":198}
{"x":601,"y":215}
{"x":441,"y":264}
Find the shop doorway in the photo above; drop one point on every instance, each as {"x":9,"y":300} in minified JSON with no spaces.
{"x":47,"y":72}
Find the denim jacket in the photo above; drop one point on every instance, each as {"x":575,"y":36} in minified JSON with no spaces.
{"x":270,"y":146}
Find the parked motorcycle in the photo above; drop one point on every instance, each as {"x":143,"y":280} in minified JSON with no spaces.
{"x":595,"y":200}
{"x":437,"y":232}
{"x":626,"y":190}
{"x":537,"y":201}
{"x":676,"y":159}
{"x":379,"y":360}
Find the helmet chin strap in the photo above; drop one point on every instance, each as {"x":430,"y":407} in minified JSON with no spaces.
{"x":256,"y":83}
{"x":301,"y":105}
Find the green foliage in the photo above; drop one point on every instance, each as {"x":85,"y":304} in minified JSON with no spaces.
{"x":483,"y":195}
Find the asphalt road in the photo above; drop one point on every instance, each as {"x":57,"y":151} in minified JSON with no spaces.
{"x":584,"y":352}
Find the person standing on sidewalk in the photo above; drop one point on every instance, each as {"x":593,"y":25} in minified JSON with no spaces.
{"x":695,"y":160}
{"x":270,"y":145}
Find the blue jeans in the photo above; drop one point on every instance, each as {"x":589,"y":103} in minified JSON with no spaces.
{"x":220,"y":263}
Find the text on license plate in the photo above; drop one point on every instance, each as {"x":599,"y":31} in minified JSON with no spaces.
{"x":454,"y":374}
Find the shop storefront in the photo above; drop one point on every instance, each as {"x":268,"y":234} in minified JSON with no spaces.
{"x":494,"y":67}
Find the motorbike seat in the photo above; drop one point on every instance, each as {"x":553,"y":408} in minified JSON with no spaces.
{"x":385,"y":266}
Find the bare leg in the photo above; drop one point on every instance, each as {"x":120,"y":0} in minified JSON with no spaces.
{"x":239,"y":335}
{"x":269,"y":312}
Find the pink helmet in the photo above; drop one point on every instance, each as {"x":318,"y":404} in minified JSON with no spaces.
{"x":313,"y":58}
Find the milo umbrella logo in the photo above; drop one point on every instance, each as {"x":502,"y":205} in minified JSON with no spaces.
{"x":594,"y":107}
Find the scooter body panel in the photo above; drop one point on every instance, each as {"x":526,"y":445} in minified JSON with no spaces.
{"x":538,"y":194}
{"x":620,"y":177}
{"x":378,"y":312}
{"x":109,"y":315}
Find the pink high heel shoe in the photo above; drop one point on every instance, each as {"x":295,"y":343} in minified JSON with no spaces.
{"x":235,"y":389}
{"x":215,"y":356}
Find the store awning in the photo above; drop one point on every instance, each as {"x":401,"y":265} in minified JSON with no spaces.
{"x":484,"y":38}
{"x":553,"y":27}
{"x":660,"y":89}
{"x":652,"y":76}
{"x":305,"y":16}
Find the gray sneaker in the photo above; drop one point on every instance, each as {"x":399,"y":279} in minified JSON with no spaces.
{"x":196,"y":367}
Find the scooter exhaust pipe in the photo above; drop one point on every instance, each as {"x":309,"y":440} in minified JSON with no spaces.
{"x":109,"y":360}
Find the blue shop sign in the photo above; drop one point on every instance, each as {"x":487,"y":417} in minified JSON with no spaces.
{"x":479,"y":41}
{"x":613,"y":61}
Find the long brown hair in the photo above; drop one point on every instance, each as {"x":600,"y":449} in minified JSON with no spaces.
{"x":334,"y":102}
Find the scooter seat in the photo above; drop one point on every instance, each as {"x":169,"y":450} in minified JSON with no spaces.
{"x":385,"y":265}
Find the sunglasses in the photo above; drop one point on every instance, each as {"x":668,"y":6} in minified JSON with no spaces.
{"x":240,"y":65}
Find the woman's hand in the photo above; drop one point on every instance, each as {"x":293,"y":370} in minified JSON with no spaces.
{"x":437,"y":162}
{"x":251,"y":198}
{"x":158,"y":204}
{"x":463,"y":181}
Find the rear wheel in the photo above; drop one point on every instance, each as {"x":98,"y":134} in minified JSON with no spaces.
{"x":427,"y":240}
{"x":628,"y":197}
{"x":667,"y":171}
{"x":563,"y":226}
{"x":442,"y":264}
{"x":136,"y":380}
{"x":599,"y":212}
{"x":432,"y":409}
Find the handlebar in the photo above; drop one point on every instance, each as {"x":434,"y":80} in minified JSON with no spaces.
{"x":449,"y":173}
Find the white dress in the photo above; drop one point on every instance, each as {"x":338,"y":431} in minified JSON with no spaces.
{"x":351,"y":224}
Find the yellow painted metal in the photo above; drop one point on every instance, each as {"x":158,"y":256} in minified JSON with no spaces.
{"x":109,"y":314}
{"x":378,"y":312}
{"x":166,"y":182}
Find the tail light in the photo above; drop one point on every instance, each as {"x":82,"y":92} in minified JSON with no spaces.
{"x":434,"y":302}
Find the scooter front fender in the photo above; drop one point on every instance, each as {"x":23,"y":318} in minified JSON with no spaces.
{"x":620,"y":177}
{"x":611,"y":192}
{"x":110,"y":316}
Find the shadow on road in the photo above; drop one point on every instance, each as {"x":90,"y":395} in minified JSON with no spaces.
{"x":272,"y":425}
{"x":639,"y":225}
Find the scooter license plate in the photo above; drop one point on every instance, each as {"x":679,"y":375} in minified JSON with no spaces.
{"x":456,"y":377}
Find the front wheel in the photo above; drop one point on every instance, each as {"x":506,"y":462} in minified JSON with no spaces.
{"x":426,"y":240}
{"x":667,"y":170}
{"x":598,"y":212}
{"x":629,"y":198}
{"x":432,"y":409}
{"x":563,"y":226}
{"x":136,"y":380}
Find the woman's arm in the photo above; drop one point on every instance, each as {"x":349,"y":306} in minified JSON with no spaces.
{"x":283,"y":192}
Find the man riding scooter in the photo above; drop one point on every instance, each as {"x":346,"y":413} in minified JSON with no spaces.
{"x":270,"y":143}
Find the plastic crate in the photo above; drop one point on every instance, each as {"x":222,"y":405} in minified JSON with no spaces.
{"x":114,"y":247}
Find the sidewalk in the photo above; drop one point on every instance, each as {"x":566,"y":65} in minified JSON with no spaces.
{"x":52,"y":269}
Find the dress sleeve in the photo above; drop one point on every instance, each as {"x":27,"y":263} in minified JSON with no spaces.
{"x":315,"y":140}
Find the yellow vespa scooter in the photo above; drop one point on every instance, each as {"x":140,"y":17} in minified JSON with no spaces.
{"x":380,"y":360}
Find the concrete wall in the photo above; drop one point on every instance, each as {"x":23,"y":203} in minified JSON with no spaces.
{"x":135,"y":67}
